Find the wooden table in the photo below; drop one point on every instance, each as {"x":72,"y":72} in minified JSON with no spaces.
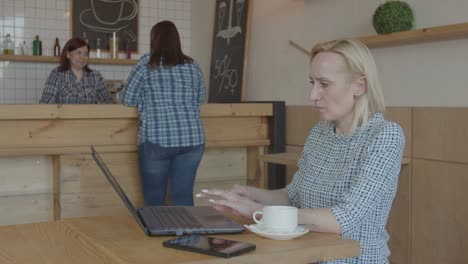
{"x":120,"y":240}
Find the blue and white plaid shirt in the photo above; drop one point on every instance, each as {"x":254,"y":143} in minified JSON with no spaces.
{"x":168,"y":100}
{"x":62,"y":87}
{"x":357,"y":177}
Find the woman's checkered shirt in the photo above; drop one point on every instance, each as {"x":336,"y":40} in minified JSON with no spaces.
{"x":357,"y":177}
{"x":62,"y":87}
{"x":169,"y":101}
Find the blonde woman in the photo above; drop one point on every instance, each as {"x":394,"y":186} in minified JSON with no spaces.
{"x":348,"y":172}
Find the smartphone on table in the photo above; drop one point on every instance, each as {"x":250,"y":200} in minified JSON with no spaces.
{"x":210,"y":245}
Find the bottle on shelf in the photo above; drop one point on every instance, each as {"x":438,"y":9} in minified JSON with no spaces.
{"x":129,"y":48}
{"x":83,"y":36}
{"x":114,"y":46}
{"x":8,"y":45}
{"x":37,"y":46}
{"x":22,"y":48}
{"x":57,"y":48}
{"x":26,"y":48}
{"x":98,"y":48}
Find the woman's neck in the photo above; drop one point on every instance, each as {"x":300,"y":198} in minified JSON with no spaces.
{"x":77,"y":72}
{"x":344,"y":126}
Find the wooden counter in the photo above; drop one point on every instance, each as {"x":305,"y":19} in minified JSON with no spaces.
{"x":60,"y":135}
{"x":60,"y":129}
{"x":120,"y":240}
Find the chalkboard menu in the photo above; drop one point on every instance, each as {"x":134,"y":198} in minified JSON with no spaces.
{"x":100,"y":18}
{"x":227,"y":57}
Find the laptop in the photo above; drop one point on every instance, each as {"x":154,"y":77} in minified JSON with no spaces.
{"x":173,"y":220}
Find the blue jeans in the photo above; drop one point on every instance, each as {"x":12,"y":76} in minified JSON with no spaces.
{"x":159,"y":164}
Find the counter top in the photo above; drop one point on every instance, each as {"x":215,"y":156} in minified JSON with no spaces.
{"x":101,"y":111}
{"x":43,"y":129}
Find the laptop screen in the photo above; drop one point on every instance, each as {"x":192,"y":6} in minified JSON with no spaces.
{"x":117,"y":188}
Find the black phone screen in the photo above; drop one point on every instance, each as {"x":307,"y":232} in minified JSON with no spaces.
{"x":210,"y":245}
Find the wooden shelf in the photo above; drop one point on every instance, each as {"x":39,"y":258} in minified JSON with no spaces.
{"x":454,"y":31}
{"x":51,"y":59}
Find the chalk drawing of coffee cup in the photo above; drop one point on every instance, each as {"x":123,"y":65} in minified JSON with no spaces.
{"x":109,"y":12}
{"x":109,"y":15}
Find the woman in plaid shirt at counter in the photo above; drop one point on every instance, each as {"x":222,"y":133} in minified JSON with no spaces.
{"x":168,"y":88}
{"x":73,"y":82}
{"x":348,"y":172}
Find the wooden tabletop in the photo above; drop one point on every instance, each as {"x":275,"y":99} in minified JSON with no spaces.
{"x":120,"y":240}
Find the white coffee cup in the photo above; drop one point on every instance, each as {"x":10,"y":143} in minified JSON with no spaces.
{"x":277,"y":218}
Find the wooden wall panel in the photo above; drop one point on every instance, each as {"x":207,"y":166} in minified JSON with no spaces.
{"x":84,"y":190}
{"x":72,"y":132}
{"x":241,"y":128}
{"x":90,"y":111}
{"x":25,"y":175}
{"x":439,"y":212}
{"x":299,"y":120}
{"x":223,"y":164}
{"x":399,"y":220}
{"x":254,"y":170}
{"x":440,"y":134}
{"x":26,"y":193}
{"x":26,"y":208}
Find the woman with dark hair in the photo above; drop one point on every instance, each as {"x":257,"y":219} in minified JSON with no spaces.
{"x":73,"y":82}
{"x":168,"y":87}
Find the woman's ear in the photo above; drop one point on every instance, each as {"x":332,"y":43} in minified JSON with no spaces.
{"x":360,"y":86}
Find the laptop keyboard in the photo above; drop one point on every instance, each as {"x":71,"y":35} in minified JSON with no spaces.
{"x":174,"y":217}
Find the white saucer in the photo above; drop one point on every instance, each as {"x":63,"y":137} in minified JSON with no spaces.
{"x":299,"y":231}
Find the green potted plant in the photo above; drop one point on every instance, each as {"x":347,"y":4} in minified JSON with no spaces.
{"x":393,"y":16}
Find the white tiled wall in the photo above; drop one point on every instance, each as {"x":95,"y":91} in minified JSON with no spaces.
{"x":23,"y":82}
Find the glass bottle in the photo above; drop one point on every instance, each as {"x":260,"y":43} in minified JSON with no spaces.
{"x":129,"y":48}
{"x":57,"y":48}
{"x":37,"y":46}
{"x":26,"y":49}
{"x":114,"y":45}
{"x":8,"y":45}
{"x":83,"y":35}
{"x":98,"y":48}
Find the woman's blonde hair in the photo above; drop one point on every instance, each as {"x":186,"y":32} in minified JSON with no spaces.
{"x":359,"y":62}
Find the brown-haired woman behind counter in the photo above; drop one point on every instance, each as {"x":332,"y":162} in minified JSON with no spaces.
{"x":73,"y":82}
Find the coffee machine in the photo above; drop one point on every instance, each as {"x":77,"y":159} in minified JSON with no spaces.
{"x":115,"y":88}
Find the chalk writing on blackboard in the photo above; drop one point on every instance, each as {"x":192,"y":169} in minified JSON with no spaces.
{"x":100,"y":18}
{"x":227,"y":60}
{"x":228,"y":76}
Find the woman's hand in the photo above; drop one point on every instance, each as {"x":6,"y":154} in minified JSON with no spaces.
{"x":243,"y":191}
{"x":236,"y":200}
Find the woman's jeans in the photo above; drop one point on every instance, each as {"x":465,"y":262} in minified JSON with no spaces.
{"x":159,"y":164}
